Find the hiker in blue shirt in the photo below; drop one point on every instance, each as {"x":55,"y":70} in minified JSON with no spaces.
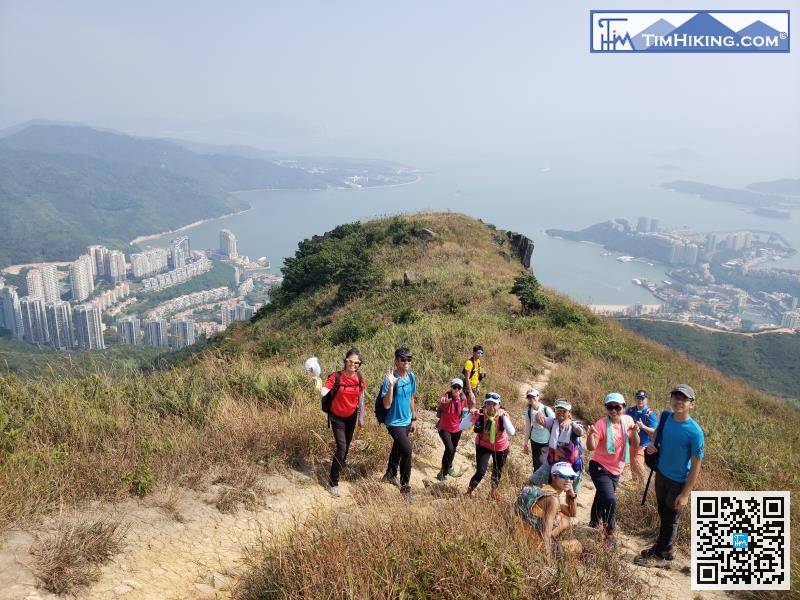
{"x":680,"y":454}
{"x":397,"y":394}
{"x":647,"y":420}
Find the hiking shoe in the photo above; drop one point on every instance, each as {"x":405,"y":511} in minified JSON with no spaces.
{"x":406,"y":492}
{"x":652,"y":552}
{"x":648,"y":552}
{"x":651,"y":561}
{"x":392,"y":479}
{"x":452,"y":472}
{"x":441,"y":476}
{"x":334,"y":490}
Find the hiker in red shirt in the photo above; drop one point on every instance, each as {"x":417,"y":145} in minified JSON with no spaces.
{"x":451,"y":406}
{"x":346,"y":389}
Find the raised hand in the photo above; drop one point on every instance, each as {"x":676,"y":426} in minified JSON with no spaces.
{"x":391,"y":377}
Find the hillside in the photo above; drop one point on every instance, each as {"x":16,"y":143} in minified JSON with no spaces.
{"x":767,"y":361}
{"x":241,"y":410}
{"x":57,"y":204}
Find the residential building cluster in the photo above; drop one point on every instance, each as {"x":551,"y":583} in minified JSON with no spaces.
{"x":187,"y":300}
{"x":236,"y":311}
{"x":149,"y":262}
{"x":178,"y":275}
{"x":158,"y":333}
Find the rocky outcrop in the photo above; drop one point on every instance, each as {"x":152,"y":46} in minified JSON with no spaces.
{"x":522,"y":246}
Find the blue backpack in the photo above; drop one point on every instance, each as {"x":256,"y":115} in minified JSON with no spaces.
{"x":380,"y":411}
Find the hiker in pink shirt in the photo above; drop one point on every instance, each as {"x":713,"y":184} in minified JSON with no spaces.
{"x":451,"y":406}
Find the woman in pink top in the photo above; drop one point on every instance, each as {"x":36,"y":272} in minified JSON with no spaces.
{"x":611,"y":438}
{"x":492,"y":428}
{"x":451,"y":405}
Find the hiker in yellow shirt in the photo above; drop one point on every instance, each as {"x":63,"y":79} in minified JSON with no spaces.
{"x":473,"y":374}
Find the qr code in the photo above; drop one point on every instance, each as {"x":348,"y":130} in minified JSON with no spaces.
{"x":740,"y":541}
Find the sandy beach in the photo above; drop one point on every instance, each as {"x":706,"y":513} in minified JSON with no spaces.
{"x":153,"y":236}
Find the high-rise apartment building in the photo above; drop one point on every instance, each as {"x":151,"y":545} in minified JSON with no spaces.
{"x":128,"y":330}
{"x":227,"y":244}
{"x":156,"y":333}
{"x":98,"y":255}
{"x":179,"y":252}
{"x":50,"y":284}
{"x":33,"y":283}
{"x":144,"y":264}
{"x":643,"y":225}
{"x":80,"y":278}
{"x":59,"y":324}
{"x":88,"y":327}
{"x":11,"y":313}
{"x":182,"y":333}
{"x":115,"y":266}
{"x":34,"y":320}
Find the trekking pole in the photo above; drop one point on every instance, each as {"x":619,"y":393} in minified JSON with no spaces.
{"x":647,"y":486}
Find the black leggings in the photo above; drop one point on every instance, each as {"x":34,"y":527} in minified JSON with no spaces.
{"x":400,"y":454}
{"x":482,"y":456}
{"x":450,"y":444}
{"x":342,"y":428}
{"x":604,"y":507}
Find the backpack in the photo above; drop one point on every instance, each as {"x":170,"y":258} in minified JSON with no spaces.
{"x":651,"y":460}
{"x":380,"y":410}
{"x":327,"y":399}
{"x":472,"y":372}
{"x":529,"y":495}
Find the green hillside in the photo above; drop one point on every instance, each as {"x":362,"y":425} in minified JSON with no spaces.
{"x":243,"y":405}
{"x":768,"y":361}
{"x":57,"y":204}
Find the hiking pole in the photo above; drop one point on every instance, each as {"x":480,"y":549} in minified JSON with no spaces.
{"x":647,"y":486}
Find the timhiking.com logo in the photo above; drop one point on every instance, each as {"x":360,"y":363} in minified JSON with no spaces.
{"x":689,"y":31}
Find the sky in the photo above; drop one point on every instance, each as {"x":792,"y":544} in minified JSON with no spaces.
{"x":404,"y":80}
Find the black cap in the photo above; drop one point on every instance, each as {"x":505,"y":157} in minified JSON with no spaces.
{"x":477,"y":348}
{"x":641,"y":394}
{"x":402,"y":352}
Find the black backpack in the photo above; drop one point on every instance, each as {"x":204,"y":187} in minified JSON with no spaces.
{"x":327,"y":399}
{"x":380,"y":410}
{"x":651,"y":460}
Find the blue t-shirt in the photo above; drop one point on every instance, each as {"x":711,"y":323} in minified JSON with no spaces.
{"x":399,"y":413}
{"x":680,"y":442}
{"x":651,"y":420}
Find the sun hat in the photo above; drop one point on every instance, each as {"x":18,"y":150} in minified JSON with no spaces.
{"x":532,"y":393}
{"x":456,"y":381}
{"x":563,"y":468}
{"x":641,"y":394}
{"x":614,"y":397}
{"x":493,"y":397}
{"x":683,"y":389}
{"x":563,"y":404}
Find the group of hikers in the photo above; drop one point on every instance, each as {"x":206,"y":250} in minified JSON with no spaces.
{"x":671,"y":445}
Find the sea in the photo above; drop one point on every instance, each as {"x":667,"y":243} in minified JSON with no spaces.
{"x":527,"y":196}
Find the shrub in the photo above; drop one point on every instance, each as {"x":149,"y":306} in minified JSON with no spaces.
{"x":407,"y":316}
{"x":561,"y":314}
{"x":352,"y":328}
{"x":526,"y":288}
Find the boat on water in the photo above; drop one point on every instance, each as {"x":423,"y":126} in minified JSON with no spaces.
{"x":625,"y":258}
{"x":636,"y":281}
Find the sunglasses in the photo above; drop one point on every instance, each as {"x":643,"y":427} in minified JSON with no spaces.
{"x":456,"y":387}
{"x":613,"y":407}
{"x":353,"y":362}
{"x":567,"y":477}
{"x":408,"y":360}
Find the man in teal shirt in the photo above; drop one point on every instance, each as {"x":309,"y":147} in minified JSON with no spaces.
{"x":680,"y":454}
{"x":397,"y":393}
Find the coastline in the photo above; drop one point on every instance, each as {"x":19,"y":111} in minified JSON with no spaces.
{"x":369,"y":187}
{"x":153,"y":236}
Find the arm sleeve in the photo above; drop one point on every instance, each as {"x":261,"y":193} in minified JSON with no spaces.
{"x":577,"y":429}
{"x":384,"y":386}
{"x":652,"y":419}
{"x":330,"y":382}
{"x":698,"y":444}
{"x":548,"y":421}
{"x":509,"y":426}
{"x":548,"y":412}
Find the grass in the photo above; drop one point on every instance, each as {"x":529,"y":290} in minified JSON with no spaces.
{"x":243,"y":402}
{"x":443,"y":548}
{"x":70,"y":557}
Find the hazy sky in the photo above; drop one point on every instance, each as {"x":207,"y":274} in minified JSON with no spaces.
{"x":394,"y":79}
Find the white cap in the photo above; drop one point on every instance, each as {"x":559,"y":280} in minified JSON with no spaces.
{"x":493,"y":397}
{"x":456,"y":381}
{"x":532,"y":393}
{"x":563,"y":468}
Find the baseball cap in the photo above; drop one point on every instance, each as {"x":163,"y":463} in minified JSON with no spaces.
{"x":456,"y":381}
{"x":532,"y":393}
{"x":683,"y":389}
{"x":563,"y":404}
{"x":641,"y":394}
{"x":492,"y":397}
{"x":564,"y":469}
{"x":614,"y":397}
{"x":402,"y":353}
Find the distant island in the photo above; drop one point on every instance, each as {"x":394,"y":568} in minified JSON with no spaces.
{"x":767,"y":198}
{"x":65,"y":187}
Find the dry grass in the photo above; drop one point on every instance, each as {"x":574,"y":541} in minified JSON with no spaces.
{"x":70,"y":558}
{"x":445,"y":548}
